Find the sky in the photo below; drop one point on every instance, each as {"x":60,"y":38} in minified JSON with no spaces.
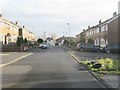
{"x":52,"y":16}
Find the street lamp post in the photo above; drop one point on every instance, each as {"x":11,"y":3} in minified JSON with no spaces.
{"x":63,"y":34}
{"x":69,"y":32}
{"x":66,"y":34}
{"x":44,"y":35}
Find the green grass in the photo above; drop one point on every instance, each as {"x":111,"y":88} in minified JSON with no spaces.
{"x":109,"y":66}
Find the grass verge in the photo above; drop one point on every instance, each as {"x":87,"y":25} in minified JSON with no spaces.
{"x":103,"y":66}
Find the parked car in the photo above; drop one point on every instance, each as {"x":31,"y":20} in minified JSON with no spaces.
{"x":88,"y":47}
{"x":43,"y":46}
{"x":112,"y":48}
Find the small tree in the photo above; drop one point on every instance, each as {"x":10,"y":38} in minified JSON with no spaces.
{"x":25,"y":41}
{"x":40,"y":40}
{"x":73,"y":43}
{"x":90,"y":41}
{"x":19,"y":41}
{"x":66,"y":42}
{"x":82,"y":38}
{"x":45,"y":41}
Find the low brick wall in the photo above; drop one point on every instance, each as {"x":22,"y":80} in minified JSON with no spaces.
{"x":11,"y":49}
{"x":15,"y":49}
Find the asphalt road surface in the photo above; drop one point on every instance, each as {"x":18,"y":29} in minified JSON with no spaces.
{"x":47,"y":68}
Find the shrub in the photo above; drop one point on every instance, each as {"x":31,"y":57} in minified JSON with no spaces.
{"x":73,"y":44}
{"x":107,"y":63}
{"x":19,"y":41}
{"x":66,"y":42}
{"x":90,"y":41}
{"x":25,"y":41}
{"x":40,"y":40}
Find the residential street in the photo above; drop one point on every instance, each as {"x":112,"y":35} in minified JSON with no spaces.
{"x":59,"y":44}
{"x":47,"y":68}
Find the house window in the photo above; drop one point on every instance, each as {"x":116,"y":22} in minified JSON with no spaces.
{"x":90,"y":32}
{"x":102,"y":28}
{"x":93,"y":31}
{"x":97,"y":30}
{"x":106,"y":27}
{"x":87,"y":33}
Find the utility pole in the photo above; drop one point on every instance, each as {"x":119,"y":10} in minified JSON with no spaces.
{"x":69,"y":32}
{"x":66,"y":36}
{"x":44,"y":35}
{"x":100,"y":33}
{"x":63,"y":34}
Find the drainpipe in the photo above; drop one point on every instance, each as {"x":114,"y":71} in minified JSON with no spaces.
{"x":99,"y":33}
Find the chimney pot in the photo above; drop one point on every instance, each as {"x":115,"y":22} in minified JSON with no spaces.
{"x":16,"y":23}
{"x":0,"y":15}
{"x":88,"y":27}
{"x":83,"y":30}
{"x":114,"y":14}
{"x":100,"y":21}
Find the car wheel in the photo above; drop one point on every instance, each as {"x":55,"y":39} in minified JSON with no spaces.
{"x":81,"y":49}
{"x":108,"y":51}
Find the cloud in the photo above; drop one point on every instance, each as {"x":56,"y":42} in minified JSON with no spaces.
{"x":52,"y":15}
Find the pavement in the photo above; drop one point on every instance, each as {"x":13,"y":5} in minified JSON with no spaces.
{"x":111,"y":80}
{"x":46,"y":68}
{"x":11,"y":57}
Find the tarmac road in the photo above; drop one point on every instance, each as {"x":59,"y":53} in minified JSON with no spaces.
{"x":47,"y":68}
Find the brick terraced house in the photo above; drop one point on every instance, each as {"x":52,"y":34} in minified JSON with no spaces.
{"x":103,"y":33}
{"x":10,"y":31}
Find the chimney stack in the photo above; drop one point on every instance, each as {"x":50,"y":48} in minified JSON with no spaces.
{"x":100,"y":21}
{"x":0,"y":15}
{"x":88,"y":27}
{"x":16,"y":23}
{"x":114,"y":14}
{"x":83,"y":30}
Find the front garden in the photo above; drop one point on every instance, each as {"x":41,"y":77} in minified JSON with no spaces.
{"x":103,"y":66}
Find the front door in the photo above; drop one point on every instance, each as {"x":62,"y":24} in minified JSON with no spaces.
{"x":5,"y":39}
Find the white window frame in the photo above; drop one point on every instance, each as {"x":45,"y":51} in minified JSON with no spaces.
{"x":97,"y":29}
{"x":106,"y":27}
